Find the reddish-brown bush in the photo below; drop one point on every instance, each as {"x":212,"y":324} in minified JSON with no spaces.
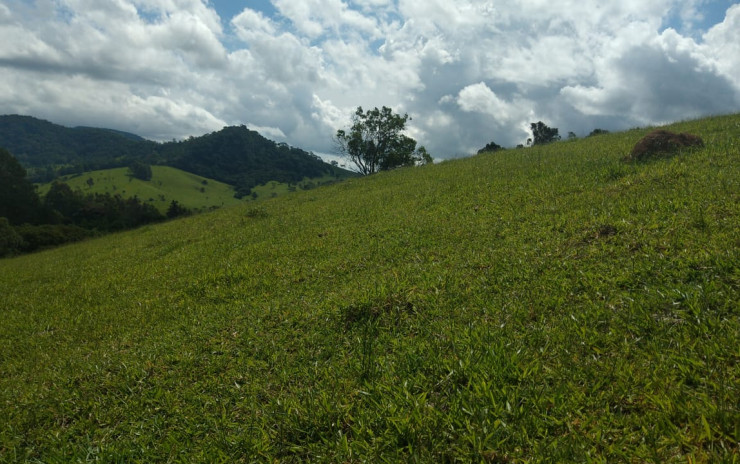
{"x":663,"y":143}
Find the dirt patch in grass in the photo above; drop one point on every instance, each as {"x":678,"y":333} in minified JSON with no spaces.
{"x":661,"y":143}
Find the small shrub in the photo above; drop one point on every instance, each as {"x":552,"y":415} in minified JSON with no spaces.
{"x":257,"y":213}
{"x":50,"y":235}
{"x":598,"y":132}
{"x":10,"y":241}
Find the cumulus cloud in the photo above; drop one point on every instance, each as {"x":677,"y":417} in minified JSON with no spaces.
{"x":467,"y":72}
{"x":721,"y":45}
{"x":481,"y":99}
{"x":663,"y":81}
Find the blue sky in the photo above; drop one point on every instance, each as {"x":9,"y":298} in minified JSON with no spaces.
{"x":468,"y":72}
{"x":710,"y":12}
{"x":227,"y":9}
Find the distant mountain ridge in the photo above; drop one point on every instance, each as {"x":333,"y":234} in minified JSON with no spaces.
{"x":234,"y":155}
{"x":128,"y":135}
{"x":40,"y":145}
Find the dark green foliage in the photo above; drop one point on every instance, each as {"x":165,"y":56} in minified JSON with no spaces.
{"x":490,"y":147}
{"x":598,"y":132}
{"x":257,"y":213}
{"x":140,"y":170}
{"x":18,"y":199}
{"x":62,"y":199}
{"x":375,"y":142}
{"x":42,"y":146}
{"x":244,"y":159}
{"x":27,"y":237}
{"x":38,"y":237}
{"x":67,"y":215}
{"x":422,"y":157}
{"x":99,"y":211}
{"x":176,"y":209}
{"x":543,"y":134}
{"x":10,"y":240}
{"x":106,"y":212}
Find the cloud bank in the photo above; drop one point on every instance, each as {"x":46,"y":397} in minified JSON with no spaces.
{"x":467,"y":72}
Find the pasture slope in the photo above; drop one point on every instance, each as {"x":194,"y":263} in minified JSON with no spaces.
{"x":549,"y":304}
{"x":167,"y":184}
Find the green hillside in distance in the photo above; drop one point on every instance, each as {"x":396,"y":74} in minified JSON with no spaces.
{"x":167,"y":184}
{"x":547,"y":304}
{"x":40,"y":145}
{"x":234,"y":155}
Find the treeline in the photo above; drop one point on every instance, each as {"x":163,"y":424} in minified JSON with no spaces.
{"x":29,"y":222}
{"x":541,"y":134}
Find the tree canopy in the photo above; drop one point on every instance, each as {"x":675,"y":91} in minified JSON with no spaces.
{"x":490,"y":147}
{"x":543,"y":134}
{"x":18,"y":199}
{"x":376,"y":142}
{"x":65,"y":215}
{"x":598,"y":132}
{"x":140,"y":170}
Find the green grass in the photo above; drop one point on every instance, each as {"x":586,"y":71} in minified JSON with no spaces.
{"x":274,"y":189}
{"x":550,"y":304}
{"x":167,"y":184}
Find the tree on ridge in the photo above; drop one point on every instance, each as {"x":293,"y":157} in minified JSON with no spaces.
{"x":376,"y":142}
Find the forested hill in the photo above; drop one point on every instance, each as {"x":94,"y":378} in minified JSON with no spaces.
{"x":44,"y":148}
{"x":234,"y":155}
{"x":243,"y":158}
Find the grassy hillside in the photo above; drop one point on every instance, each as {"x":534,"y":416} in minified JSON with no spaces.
{"x":166,"y":184}
{"x":234,"y":155}
{"x":549,"y":304}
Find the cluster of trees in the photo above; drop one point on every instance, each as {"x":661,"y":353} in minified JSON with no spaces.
{"x":490,"y":147}
{"x":376,"y":142}
{"x":140,"y":170}
{"x":541,"y":134}
{"x":29,"y":222}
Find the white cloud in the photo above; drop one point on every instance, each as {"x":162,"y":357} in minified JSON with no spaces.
{"x":664,"y":80}
{"x":317,"y":17}
{"x":721,"y":45}
{"x":480,"y":98}
{"x":467,"y":71}
{"x":250,"y":24}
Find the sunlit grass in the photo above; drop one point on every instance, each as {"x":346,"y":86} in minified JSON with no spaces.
{"x":547,"y":304}
{"x":167,"y":184}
